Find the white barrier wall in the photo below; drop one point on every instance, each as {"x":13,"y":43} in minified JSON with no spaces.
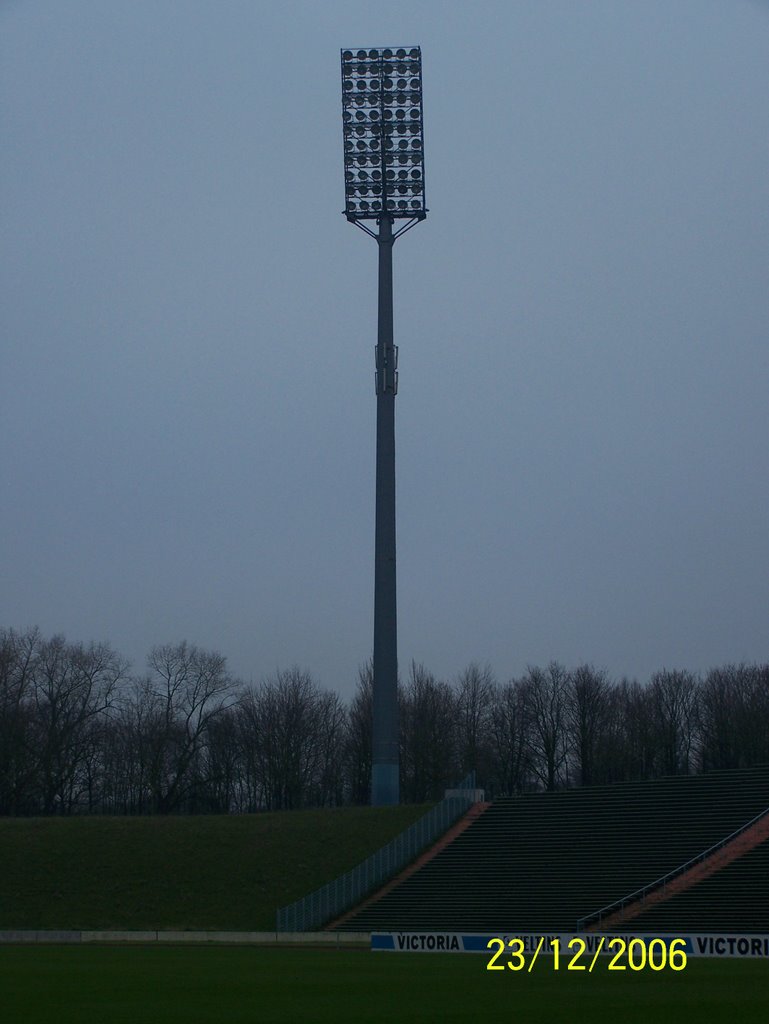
{"x":708,"y":945}
{"x":338,"y":939}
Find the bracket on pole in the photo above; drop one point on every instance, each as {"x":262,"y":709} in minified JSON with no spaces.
{"x":401,"y":231}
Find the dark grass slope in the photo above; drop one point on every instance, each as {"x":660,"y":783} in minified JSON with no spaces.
{"x":208,"y":872}
{"x":545,"y":860}
{"x":734,"y":899}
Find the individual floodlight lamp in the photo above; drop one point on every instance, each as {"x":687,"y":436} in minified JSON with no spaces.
{"x":384,"y":181}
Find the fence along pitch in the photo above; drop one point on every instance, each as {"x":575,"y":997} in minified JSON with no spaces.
{"x":332,"y":899}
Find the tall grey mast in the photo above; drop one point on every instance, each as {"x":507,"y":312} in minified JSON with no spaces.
{"x":384,"y":182}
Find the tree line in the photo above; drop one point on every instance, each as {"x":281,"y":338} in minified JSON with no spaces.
{"x":80,"y":733}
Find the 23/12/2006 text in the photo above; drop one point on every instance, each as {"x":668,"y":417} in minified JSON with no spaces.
{"x":636,"y":955}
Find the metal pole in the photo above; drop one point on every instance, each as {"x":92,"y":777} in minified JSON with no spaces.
{"x":385,"y":757}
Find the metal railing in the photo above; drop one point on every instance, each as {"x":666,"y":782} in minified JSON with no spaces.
{"x":332,"y":899}
{"x":661,"y":883}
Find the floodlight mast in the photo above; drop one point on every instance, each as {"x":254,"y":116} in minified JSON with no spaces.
{"x":383,"y":130}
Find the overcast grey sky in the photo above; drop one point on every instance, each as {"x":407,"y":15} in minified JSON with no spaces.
{"x":188,"y":321}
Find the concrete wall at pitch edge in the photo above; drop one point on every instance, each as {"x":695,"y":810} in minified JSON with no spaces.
{"x":705,"y":945}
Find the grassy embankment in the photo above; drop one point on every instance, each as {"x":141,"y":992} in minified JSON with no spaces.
{"x":208,"y":872}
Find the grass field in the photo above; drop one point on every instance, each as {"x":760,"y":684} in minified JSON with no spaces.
{"x":236,"y":985}
{"x":208,"y":872}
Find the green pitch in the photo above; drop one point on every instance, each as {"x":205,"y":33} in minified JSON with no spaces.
{"x":235,"y":985}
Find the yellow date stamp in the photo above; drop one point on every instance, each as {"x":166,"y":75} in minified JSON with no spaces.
{"x":635,"y":954}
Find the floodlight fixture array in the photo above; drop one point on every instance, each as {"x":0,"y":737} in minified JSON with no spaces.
{"x":383,"y":133}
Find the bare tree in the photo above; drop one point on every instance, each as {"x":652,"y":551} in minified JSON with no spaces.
{"x":636,"y":735}
{"x":673,"y":698}
{"x":474,"y":696}
{"x":547,"y":695}
{"x":18,"y":749}
{"x":185,"y":690}
{"x":734,"y":717}
{"x":74,"y":686}
{"x":359,"y":737}
{"x":328,"y":786}
{"x":221,"y":765}
{"x":509,"y":739}
{"x":588,"y":707}
{"x":123,"y":785}
{"x":720,"y":700}
{"x":292,"y":735}
{"x":428,"y":737}
{"x":753,"y":714}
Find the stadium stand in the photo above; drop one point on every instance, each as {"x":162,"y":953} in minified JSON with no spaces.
{"x":734,"y":899}
{"x":542,"y":861}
